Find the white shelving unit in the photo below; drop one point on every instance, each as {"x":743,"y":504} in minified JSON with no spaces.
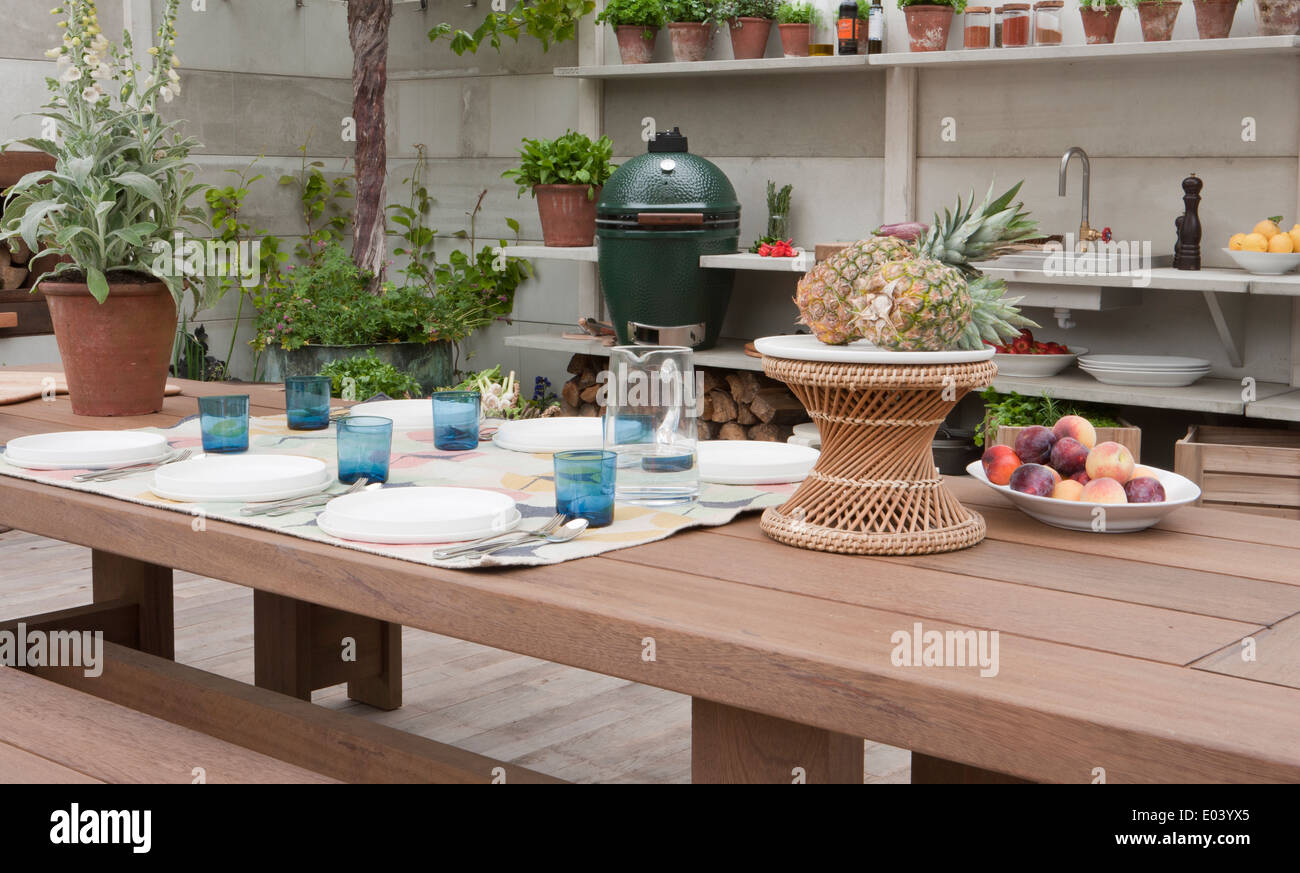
{"x":586,"y":254}
{"x":677,"y":69}
{"x":728,"y":353}
{"x":802,"y":263}
{"x":1208,"y":395}
{"x":1255,"y":46}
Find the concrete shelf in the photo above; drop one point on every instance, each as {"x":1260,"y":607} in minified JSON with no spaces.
{"x":801,"y":263}
{"x":728,"y":353}
{"x":1247,"y":46}
{"x":553,"y":253}
{"x":679,"y":69}
{"x":1208,"y":395}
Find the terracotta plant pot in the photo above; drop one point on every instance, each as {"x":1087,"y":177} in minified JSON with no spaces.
{"x":749,"y":37}
{"x":636,"y":44}
{"x":115,"y":354}
{"x":1278,"y":17}
{"x":690,"y":39}
{"x":1157,"y":18}
{"x":794,"y":40}
{"x":1214,"y":18}
{"x":568,"y":216}
{"x":1099,"y":26}
{"x":928,"y":26}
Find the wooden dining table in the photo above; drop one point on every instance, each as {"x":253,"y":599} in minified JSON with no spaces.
{"x":1168,"y":655}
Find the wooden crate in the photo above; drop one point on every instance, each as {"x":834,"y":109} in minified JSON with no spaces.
{"x":1242,"y":469}
{"x":1128,"y":436}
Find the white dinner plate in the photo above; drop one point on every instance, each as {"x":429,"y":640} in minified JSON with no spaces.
{"x":248,"y":497}
{"x":85,"y":449}
{"x":430,"y":514}
{"x":805,"y":347}
{"x":1146,"y":380}
{"x":1143,"y":363}
{"x":1119,"y":517}
{"x":240,"y":476}
{"x":752,"y":462}
{"x":406,"y":414}
{"x":560,"y":434}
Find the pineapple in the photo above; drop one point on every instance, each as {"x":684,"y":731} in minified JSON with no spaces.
{"x":925,"y":296}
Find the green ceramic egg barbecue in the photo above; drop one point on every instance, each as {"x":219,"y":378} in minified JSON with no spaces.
{"x":657,"y":214}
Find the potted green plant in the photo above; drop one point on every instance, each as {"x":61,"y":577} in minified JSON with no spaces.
{"x":750,"y":24}
{"x":565,"y":175}
{"x":690,"y":27}
{"x":1100,"y":20}
{"x":1214,"y":17}
{"x":636,"y":23}
{"x":118,"y":196}
{"x":929,"y":22}
{"x":795,"y":21}
{"x":1278,"y":17}
{"x":1157,"y":18}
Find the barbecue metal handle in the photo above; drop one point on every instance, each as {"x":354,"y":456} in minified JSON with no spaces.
{"x":688,"y":335}
{"x":671,"y":219}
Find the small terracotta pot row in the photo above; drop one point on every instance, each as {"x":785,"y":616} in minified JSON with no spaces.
{"x":691,"y":40}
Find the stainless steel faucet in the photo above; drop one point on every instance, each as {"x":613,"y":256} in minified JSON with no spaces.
{"x":1086,"y":233}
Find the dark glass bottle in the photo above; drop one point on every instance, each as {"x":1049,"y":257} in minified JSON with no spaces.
{"x":847,"y":28}
{"x":875,"y":28}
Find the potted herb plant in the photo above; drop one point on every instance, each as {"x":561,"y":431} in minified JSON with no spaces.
{"x":1100,"y":20}
{"x":1214,"y":17}
{"x":118,"y":196}
{"x":750,"y":23}
{"x":565,"y":175}
{"x":795,"y":21}
{"x":1278,"y":17}
{"x":636,"y":23}
{"x":690,"y":27}
{"x":929,"y":22}
{"x":1157,"y":18}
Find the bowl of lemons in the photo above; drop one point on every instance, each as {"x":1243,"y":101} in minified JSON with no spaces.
{"x":1268,"y":250}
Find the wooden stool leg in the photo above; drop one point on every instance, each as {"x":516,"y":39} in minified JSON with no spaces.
{"x":731,"y":745}
{"x":938,"y":771}
{"x":300,"y":646}
{"x":149,"y":586}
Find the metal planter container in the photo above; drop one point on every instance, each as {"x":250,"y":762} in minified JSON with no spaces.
{"x":656,"y":216}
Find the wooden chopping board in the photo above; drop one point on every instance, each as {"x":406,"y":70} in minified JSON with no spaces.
{"x":17,"y":386}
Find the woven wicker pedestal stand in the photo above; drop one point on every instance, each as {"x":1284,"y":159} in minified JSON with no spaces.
{"x":875,"y":489}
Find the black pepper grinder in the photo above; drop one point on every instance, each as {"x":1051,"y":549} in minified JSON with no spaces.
{"x":1187,"y":251}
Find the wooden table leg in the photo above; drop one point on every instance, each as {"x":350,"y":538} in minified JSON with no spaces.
{"x":938,"y":771}
{"x":149,"y":586}
{"x":731,"y":745}
{"x":300,"y":646}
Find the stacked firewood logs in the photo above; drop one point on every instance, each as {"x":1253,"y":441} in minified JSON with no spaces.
{"x":13,"y":265}
{"x":735,"y":404}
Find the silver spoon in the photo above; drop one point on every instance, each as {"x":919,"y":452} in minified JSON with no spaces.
{"x":570,"y":531}
{"x":473,"y":545}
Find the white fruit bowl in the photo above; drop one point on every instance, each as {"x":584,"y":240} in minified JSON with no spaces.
{"x":1265,"y":263}
{"x":1117,"y":517}
{"x":1035,"y":366}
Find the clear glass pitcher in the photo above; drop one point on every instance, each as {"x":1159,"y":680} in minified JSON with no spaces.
{"x":650,"y":396}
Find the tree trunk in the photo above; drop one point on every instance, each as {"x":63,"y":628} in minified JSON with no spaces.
{"x":368,"y":22}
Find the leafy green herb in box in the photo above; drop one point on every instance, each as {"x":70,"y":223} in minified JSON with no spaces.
{"x":1016,"y":410}
{"x":364,"y":376}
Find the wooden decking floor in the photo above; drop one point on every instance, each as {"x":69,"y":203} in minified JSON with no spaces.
{"x":569,"y":723}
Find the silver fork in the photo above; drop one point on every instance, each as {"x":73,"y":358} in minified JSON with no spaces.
{"x":455,"y":551}
{"x":299,"y":502}
{"x":130,"y":469}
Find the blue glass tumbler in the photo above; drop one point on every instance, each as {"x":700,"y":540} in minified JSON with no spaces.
{"x":364,"y":445}
{"x":584,"y":485}
{"x":223,"y":421}
{"x":307,"y":402}
{"x":455,"y":420}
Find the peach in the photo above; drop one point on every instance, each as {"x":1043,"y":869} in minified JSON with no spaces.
{"x":1144,"y":489}
{"x":999,"y":463}
{"x":1056,"y":477}
{"x":1110,"y":460}
{"x":1033,"y":479}
{"x":1069,"y":456}
{"x":1076,"y":427}
{"x":1067,"y":489}
{"x":1142,"y":470}
{"x":1103,"y":490}
{"x":1034,"y":444}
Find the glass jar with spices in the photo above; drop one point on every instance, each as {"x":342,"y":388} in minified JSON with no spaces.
{"x":1015,"y":25}
{"x":978,"y":27}
{"x":997,"y":27}
{"x":1047,"y":22}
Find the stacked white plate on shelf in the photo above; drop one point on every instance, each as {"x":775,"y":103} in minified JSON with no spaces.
{"x":1155,"y":371}
{"x":406,"y":414}
{"x":413,"y":515}
{"x":746,"y":462}
{"x":241,"y":478}
{"x":85,"y":449}
{"x":806,"y":434}
{"x":559,"y":434}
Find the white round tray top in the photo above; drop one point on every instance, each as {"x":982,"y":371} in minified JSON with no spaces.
{"x":805,"y":347}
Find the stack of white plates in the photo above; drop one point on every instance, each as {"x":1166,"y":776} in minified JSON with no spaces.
{"x":241,"y":478}
{"x":405,"y":516}
{"x":406,"y":414}
{"x":560,"y":434}
{"x":806,"y":434}
{"x":1157,"y":371}
{"x":742,"y":462}
{"x":85,"y":449}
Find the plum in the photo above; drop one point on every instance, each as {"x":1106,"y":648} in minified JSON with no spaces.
{"x":1034,"y":444}
{"x":1033,"y":479}
{"x":1069,"y":456}
{"x":1082,"y":477}
{"x":1144,"y":489}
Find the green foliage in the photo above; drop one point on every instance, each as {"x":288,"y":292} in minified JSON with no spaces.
{"x":1015,"y":410}
{"x":416,"y":237}
{"x":571,"y":159}
{"x":325,"y":218}
{"x":957,"y":5}
{"x":698,"y":11}
{"x":643,"y":13}
{"x":122,"y":180}
{"x":728,"y":9}
{"x":474,"y":292}
{"x":797,"y":13}
{"x":364,"y":376}
{"x":547,"y":21}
